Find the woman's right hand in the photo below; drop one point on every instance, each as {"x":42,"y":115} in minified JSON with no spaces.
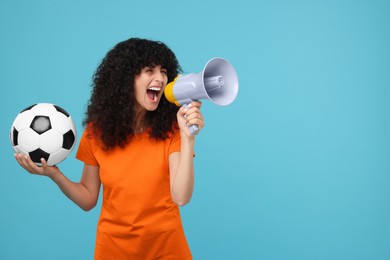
{"x":44,"y":170}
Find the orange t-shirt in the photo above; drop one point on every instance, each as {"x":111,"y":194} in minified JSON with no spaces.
{"x":138,"y":219}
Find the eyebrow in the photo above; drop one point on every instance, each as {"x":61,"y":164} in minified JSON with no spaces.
{"x":154,"y":66}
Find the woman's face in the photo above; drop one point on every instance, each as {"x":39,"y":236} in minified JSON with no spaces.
{"x":149,"y":87}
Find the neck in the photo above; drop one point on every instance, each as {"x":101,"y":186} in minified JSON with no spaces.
{"x":139,"y":122}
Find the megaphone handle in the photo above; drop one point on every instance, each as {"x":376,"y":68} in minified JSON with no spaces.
{"x":194,"y":129}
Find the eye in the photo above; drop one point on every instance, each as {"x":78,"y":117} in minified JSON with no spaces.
{"x":164,"y":71}
{"x":149,"y":69}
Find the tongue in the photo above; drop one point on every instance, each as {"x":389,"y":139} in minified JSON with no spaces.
{"x":152,"y":95}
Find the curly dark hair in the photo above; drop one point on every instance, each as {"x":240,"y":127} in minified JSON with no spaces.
{"x":110,"y":110}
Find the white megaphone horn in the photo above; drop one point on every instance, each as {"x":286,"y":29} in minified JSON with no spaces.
{"x":217,"y":82}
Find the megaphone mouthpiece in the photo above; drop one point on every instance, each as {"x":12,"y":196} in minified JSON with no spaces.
{"x":168,"y":92}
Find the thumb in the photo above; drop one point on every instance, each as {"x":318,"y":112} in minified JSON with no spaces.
{"x":46,"y":169}
{"x":44,"y":163}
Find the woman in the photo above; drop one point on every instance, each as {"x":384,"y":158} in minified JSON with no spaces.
{"x":138,"y":147}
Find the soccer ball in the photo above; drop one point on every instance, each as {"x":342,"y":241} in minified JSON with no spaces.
{"x":43,"y":131}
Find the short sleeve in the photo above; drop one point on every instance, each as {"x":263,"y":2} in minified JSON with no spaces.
{"x":85,"y":150}
{"x":175,"y":144}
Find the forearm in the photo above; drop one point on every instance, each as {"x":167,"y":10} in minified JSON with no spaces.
{"x":76,"y":192}
{"x":183,"y":183}
{"x":85,"y":194}
{"x":182,"y":164}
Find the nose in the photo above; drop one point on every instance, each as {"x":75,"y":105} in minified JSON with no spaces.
{"x":159,"y":77}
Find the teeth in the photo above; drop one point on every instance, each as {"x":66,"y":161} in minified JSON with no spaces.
{"x":154,"y":88}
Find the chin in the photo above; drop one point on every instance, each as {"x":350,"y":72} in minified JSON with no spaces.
{"x":151,"y":108}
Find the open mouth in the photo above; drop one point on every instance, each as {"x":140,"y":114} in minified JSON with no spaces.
{"x":153,"y":93}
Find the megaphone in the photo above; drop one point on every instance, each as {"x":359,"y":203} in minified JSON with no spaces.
{"x":217,"y":82}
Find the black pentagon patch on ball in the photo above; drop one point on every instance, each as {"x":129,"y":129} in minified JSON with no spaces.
{"x":28,"y":108}
{"x":38,"y":154}
{"x":61,"y":110}
{"x":15,"y":136}
{"x":68,"y":140}
{"x":40,"y":124}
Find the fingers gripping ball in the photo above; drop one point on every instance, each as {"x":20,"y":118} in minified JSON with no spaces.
{"x":43,"y":131}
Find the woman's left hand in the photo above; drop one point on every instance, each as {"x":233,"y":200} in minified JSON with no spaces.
{"x":190,"y":115}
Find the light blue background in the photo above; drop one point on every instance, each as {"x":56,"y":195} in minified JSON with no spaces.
{"x":296,"y":168}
